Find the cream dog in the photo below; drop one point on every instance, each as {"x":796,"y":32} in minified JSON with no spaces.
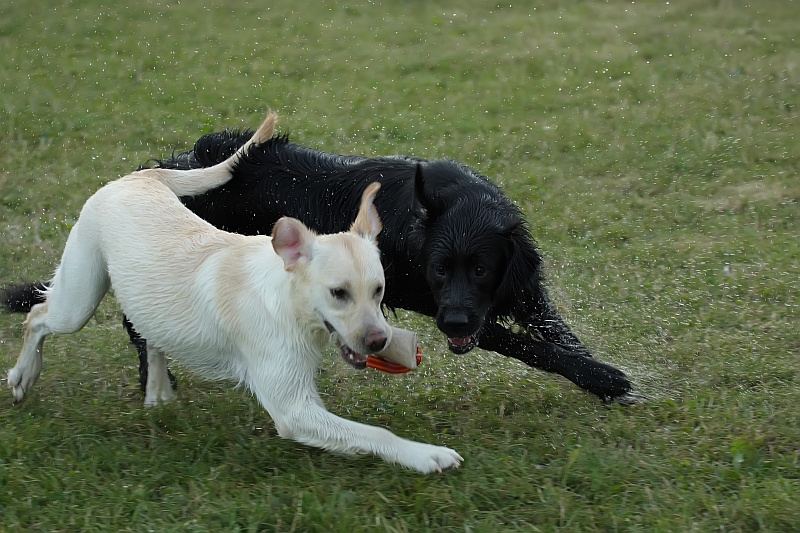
{"x":256,"y":309}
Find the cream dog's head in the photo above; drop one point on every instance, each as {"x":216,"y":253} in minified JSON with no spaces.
{"x":342,"y":277}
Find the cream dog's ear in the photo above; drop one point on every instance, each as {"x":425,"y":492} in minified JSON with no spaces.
{"x":292,"y":241}
{"x":368,"y":223}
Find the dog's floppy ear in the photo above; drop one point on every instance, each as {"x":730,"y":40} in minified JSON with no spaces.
{"x":519,"y":287}
{"x":420,"y":203}
{"x":433,"y":190}
{"x":292,"y":241}
{"x":368,"y":223}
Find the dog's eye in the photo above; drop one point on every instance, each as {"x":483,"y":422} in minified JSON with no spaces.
{"x":439,"y":270}
{"x":480,"y":271}
{"x":378,"y":291}
{"x":339,"y":294}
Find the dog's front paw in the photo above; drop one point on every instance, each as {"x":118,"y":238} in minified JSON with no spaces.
{"x":427,"y":458}
{"x":604,"y":380}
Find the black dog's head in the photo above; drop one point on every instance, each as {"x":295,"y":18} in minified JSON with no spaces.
{"x":478,"y":257}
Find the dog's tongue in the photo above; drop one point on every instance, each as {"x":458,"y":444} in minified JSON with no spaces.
{"x":460,"y":341}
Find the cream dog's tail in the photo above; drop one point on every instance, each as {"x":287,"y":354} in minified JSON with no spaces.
{"x":200,"y":180}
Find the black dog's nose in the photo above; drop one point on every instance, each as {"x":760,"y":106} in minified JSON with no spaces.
{"x":456,"y":321}
{"x":375,"y":340}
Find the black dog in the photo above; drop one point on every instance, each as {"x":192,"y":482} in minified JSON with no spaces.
{"x":453,"y":245}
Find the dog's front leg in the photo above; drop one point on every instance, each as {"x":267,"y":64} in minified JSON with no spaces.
{"x":158,"y":387}
{"x":140,"y":344}
{"x":598,"y":378}
{"x":311,"y":424}
{"x":299,"y":414}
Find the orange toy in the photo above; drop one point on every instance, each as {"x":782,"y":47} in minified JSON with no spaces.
{"x":390,"y":367}
{"x":400,"y":356}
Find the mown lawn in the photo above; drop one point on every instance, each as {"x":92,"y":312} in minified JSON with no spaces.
{"x":654,"y":147}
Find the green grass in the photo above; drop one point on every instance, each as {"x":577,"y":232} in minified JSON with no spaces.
{"x":654,"y":148}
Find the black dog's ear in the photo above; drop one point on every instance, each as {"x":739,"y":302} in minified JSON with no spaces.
{"x":517,"y":293}
{"x":420,"y":204}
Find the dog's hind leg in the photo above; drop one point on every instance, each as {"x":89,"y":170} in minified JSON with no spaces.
{"x":158,"y":388}
{"x":29,"y":363}
{"x":80,"y":283}
{"x":138,"y":342}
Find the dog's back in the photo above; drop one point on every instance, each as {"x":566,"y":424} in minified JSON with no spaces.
{"x":171,"y":270}
{"x":281,"y":178}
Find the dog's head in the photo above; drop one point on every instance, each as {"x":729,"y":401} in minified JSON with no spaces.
{"x":341,"y":278}
{"x":478,"y":257}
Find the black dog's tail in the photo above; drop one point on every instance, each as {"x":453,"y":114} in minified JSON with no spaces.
{"x":21,"y":297}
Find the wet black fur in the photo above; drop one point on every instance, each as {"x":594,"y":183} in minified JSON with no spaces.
{"x":436,"y":215}
{"x":453,"y":245}
{"x":21,"y":297}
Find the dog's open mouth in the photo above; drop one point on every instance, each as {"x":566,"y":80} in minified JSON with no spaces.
{"x":354,"y":359}
{"x":461,"y":345}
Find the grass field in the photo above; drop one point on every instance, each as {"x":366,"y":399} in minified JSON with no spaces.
{"x":654,"y":147}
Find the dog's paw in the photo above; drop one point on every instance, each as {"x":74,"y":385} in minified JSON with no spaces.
{"x":604,"y":380}
{"x":629,"y":398}
{"x":161,"y":396}
{"x":428,"y":459}
{"x":159,"y":393}
{"x":20,"y":383}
